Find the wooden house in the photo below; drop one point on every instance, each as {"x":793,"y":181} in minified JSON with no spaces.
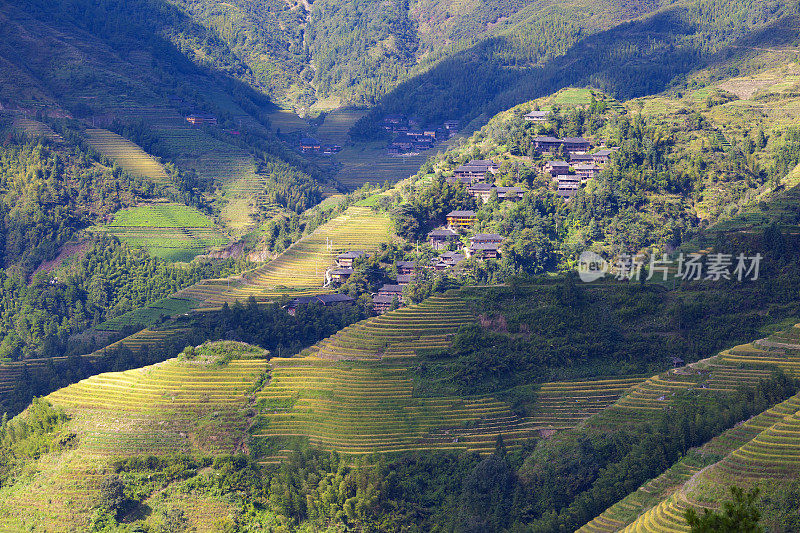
{"x":481,"y":191}
{"x":441,"y":238}
{"x":447,"y":260}
{"x":486,"y":237}
{"x":568,"y":185}
{"x":587,"y":170}
{"x":340,"y":275}
{"x":476,"y":170}
{"x":546,"y":144}
{"x":382,"y":302}
{"x":199,"y":119}
{"x":309,"y":145}
{"x":347,"y":259}
{"x":556,"y":167}
{"x":405,"y":267}
{"x":537,"y":116}
{"x":581,"y":158}
{"x":601,"y":157}
{"x":461,"y":219}
{"x":484,"y":250}
{"x":509,"y":193}
{"x":576,"y":144}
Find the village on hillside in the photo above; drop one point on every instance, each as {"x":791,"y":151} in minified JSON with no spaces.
{"x":567,"y":164}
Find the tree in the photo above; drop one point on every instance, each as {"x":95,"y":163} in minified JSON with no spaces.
{"x":741,"y":515}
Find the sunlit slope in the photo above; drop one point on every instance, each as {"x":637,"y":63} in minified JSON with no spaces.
{"x":652,"y":498}
{"x":301,"y":268}
{"x":199,"y":406}
{"x":355,"y":392}
{"x":171,"y":407}
{"x":127,"y":154}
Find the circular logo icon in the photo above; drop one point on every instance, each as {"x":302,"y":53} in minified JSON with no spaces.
{"x":591,"y":266}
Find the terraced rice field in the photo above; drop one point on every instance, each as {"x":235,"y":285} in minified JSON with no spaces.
{"x":171,"y":407}
{"x":230,"y":167}
{"x":127,"y":154}
{"x":147,"y":316}
{"x":34,"y":128}
{"x":372,"y":164}
{"x":766,"y":446}
{"x":287,"y":122}
{"x":659,"y":504}
{"x":173,"y":232}
{"x":655,"y":394}
{"x":354,"y":392}
{"x":564,"y":404}
{"x":781,"y":349}
{"x":337,"y":124}
{"x":301,"y":268}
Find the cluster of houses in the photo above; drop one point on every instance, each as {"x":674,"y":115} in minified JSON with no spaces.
{"x":475,"y":176}
{"x":481,"y":245}
{"x":410,"y":137}
{"x":310,"y":145}
{"x":581,"y":167}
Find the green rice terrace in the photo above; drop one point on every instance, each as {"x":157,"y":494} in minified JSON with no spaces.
{"x":174,"y":232}
{"x":198,"y":403}
{"x":149,"y":315}
{"x":230,"y":167}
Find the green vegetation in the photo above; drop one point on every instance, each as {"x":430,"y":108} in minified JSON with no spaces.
{"x":172,"y":232}
{"x":741,"y":515}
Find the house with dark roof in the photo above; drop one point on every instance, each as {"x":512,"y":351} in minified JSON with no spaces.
{"x":442,"y":237}
{"x":568,"y":185}
{"x":404,"y":279}
{"x":347,"y":259}
{"x":546,"y":144}
{"x":581,"y":158}
{"x":509,"y":193}
{"x":576,"y":144}
{"x":447,"y":260}
{"x":340,"y":275}
{"x":601,"y":157}
{"x":556,"y":167}
{"x":309,"y":145}
{"x":392,"y":289}
{"x":326,"y":300}
{"x":484,"y":250}
{"x":587,"y":170}
{"x":537,"y":116}
{"x":461,"y":219}
{"x":330,"y":149}
{"x":198,"y":119}
{"x":569,"y":181}
{"x":383,"y":302}
{"x":475,"y":170}
{"x":486,"y":237}
{"x":405,"y":267}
